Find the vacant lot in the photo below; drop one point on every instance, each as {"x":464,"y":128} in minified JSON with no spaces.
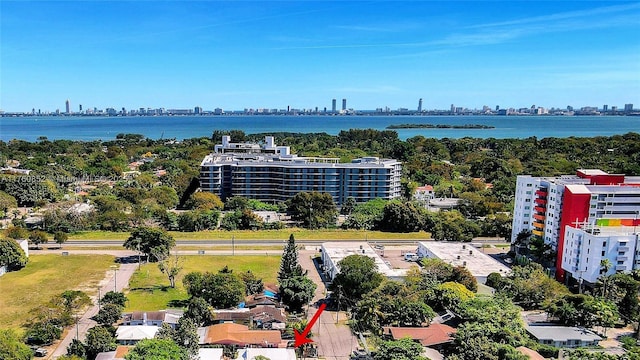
{"x":46,"y":276}
{"x":300,"y":234}
{"x":149,"y":288}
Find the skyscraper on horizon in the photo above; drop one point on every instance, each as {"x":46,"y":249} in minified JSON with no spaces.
{"x":420,"y":105}
{"x":333,"y":105}
{"x":344,"y":104}
{"x":68,"y":106}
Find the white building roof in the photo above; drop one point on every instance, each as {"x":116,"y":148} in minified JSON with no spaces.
{"x":339,"y":250}
{"x":210,"y":354}
{"x":561,"y":333}
{"x":271,"y":353}
{"x":578,"y":189}
{"x":464,"y":254}
{"x":136,"y":332}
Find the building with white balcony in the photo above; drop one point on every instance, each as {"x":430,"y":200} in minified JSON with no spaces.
{"x":586,"y":246}
{"x":269,"y":173}
{"x":546,"y":206}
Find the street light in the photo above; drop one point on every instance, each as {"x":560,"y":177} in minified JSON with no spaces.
{"x":115,"y":278}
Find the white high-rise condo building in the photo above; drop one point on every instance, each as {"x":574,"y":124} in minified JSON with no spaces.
{"x":270,"y":173}
{"x":546,"y":206}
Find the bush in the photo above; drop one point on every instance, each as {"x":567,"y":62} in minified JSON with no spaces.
{"x":43,"y":333}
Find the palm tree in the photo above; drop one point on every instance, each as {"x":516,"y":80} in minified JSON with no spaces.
{"x":605,"y":280}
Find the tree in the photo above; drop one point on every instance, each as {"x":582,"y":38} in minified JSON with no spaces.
{"x":171,"y":266}
{"x":236,"y":203}
{"x":60,"y":238}
{"x":157,"y":349}
{"x":38,"y":237}
{"x":400,"y":216}
{"x":113,"y":297}
{"x":413,"y":313}
{"x":358,"y":276}
{"x":43,"y":333}
{"x":186,"y":336}
{"x":11,"y":348}
{"x":74,"y":300}
{"x":150,"y":241}
{"x":77,"y":348}
{"x":7,"y":202}
{"x":463,"y":276}
{"x":253,"y":285}
{"x":289,"y":266}
{"x":403,"y":349}
{"x":17,"y":232}
{"x":204,"y":200}
{"x":313,"y":209}
{"x":297,"y":291}
{"x":452,"y":226}
{"x":199,"y":311}
{"x":99,"y":339}
{"x":164,"y":196}
{"x":220,"y":290}
{"x":348,"y":206}
{"x":108,"y":314}
{"x":11,"y":255}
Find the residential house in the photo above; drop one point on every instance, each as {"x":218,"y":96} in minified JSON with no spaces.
{"x":268,"y":317}
{"x":152,"y":318}
{"x":563,"y":336}
{"x":434,"y":336}
{"x":130,"y":335}
{"x":239,"y":335}
{"x":118,"y":354}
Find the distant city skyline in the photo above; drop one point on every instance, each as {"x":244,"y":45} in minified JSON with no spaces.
{"x":605,"y":109}
{"x":303,"y":54}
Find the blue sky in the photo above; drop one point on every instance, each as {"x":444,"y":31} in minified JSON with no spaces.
{"x":274,"y":54}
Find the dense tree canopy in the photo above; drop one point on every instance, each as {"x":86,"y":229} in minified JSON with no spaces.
{"x":157,"y":349}
{"x":153,"y":242}
{"x":221,"y":290}
{"x":11,"y":254}
{"x":313,"y":209}
{"x":358,"y":276}
{"x":12,"y":348}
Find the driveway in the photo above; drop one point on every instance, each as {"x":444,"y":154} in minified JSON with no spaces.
{"x":334,"y":340}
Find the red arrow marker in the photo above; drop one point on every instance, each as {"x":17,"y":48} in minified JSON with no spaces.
{"x":302,"y":339}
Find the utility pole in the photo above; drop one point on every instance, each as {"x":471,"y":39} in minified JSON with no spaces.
{"x":338,"y":310}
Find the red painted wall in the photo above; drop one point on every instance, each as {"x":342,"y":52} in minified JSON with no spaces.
{"x":574,"y":206}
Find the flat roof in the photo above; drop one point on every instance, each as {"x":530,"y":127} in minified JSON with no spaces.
{"x":591,"y":172}
{"x":464,"y":254}
{"x":578,"y":189}
{"x":339,"y":250}
{"x":561,"y":333}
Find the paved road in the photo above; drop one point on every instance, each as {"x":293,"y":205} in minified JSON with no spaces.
{"x":246,"y":242}
{"x":121,"y":281}
{"x":334,"y":341}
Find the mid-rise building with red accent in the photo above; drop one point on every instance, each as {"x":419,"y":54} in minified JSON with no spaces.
{"x":546,"y":206}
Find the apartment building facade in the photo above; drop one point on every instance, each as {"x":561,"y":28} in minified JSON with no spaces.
{"x":270,"y":173}
{"x":546,"y":206}
{"x":586,"y":247}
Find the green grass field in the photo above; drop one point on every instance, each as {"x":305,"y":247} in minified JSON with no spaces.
{"x":149,"y":288}
{"x":300,"y":234}
{"x":44,"y":277}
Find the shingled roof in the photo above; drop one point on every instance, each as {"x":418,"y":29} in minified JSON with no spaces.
{"x":240,"y":335}
{"x":434,"y":334}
